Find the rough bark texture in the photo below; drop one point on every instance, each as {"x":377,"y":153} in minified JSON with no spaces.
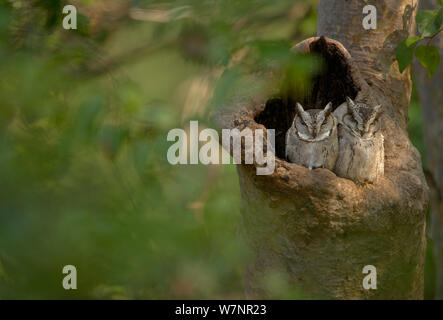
{"x":431,"y":97}
{"x":321,"y":230}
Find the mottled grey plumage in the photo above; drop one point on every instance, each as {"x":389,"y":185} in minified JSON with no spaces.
{"x":312,"y":140}
{"x":361,"y":151}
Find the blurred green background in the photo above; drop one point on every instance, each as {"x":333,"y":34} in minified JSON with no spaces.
{"x":84,"y":116}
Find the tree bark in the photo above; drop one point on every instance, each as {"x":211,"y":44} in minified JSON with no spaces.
{"x":431,"y":97}
{"x":320,"y":230}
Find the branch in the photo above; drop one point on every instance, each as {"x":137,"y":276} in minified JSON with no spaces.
{"x":100,"y":68}
{"x":433,"y":36}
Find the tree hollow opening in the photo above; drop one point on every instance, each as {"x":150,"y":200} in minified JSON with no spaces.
{"x":333,"y":84}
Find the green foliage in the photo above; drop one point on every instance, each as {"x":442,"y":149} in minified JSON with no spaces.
{"x":429,"y":57}
{"x":84,"y":117}
{"x":429,"y":23}
{"x":405,"y":52}
{"x":439,"y":18}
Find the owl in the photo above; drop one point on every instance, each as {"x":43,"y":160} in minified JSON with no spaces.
{"x":361,"y":150}
{"x":312,"y":139}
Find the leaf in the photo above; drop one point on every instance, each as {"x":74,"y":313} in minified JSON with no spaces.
{"x":111,"y":140}
{"x":440,"y":2}
{"x":426,"y":22}
{"x":274,"y":50}
{"x":405,"y":52}
{"x":429,"y":58}
{"x":439,"y":18}
{"x":412,"y":40}
{"x":225,"y":86}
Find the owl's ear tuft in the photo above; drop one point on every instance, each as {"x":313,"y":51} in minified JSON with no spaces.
{"x":303,"y":114}
{"x":376,"y":113}
{"x":300,"y":109}
{"x":350,"y":102}
{"x":352,"y":109}
{"x":328,"y":109}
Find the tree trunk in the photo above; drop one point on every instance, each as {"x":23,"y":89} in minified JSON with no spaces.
{"x":431,"y":97}
{"x":315,"y":228}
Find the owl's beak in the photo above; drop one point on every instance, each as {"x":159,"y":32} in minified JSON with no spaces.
{"x":312,"y":132}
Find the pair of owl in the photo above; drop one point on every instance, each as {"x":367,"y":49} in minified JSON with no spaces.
{"x":347,"y":141}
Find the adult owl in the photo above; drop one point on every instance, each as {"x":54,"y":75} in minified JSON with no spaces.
{"x":312,"y":139}
{"x":361,"y":150}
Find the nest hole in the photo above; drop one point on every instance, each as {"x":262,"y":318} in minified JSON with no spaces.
{"x":333,"y":84}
